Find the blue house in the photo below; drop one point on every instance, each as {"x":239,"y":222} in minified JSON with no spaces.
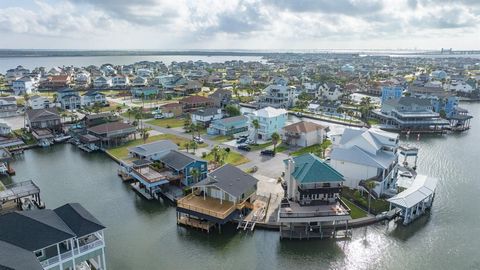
{"x":391,"y":92}
{"x":183,"y":165}
{"x":448,"y":104}
{"x":228,"y":126}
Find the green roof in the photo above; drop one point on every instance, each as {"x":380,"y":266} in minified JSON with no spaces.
{"x":311,"y":169}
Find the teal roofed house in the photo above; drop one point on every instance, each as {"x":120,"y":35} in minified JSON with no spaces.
{"x":312,"y":181}
{"x":312,"y":201}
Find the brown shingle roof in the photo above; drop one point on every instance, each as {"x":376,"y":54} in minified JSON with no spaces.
{"x":303,"y":127}
{"x":172,"y":105}
{"x":109,"y":127}
{"x":196,"y":99}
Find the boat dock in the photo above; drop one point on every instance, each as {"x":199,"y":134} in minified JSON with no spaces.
{"x":195,"y":223}
{"x":16,"y":195}
{"x":136,"y":187}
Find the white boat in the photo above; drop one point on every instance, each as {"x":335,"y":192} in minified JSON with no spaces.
{"x":83,"y":266}
{"x":44,"y":143}
{"x":62,"y":138}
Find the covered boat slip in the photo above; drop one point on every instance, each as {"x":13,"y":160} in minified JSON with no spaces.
{"x":15,"y":192}
{"x":415,"y":200}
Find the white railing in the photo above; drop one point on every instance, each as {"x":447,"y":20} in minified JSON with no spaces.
{"x":76,"y":251}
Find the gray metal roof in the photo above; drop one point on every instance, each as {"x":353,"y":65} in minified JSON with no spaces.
{"x":356,"y":155}
{"x":78,"y":219}
{"x":230,"y":179}
{"x":153,"y":148}
{"x":16,"y":258}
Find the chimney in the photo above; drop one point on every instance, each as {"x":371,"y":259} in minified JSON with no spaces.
{"x":289,"y":179}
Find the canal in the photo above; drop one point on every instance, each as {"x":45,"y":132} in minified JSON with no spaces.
{"x":144,"y":235}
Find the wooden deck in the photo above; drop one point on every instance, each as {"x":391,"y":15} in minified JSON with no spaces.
{"x":208,"y":206}
{"x":139,"y":190}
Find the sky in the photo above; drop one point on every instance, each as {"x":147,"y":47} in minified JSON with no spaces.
{"x":240,"y":24}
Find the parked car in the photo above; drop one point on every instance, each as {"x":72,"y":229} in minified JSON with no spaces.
{"x":198,"y":139}
{"x":267,"y":153}
{"x":241,"y":140}
{"x":158,"y":116}
{"x":244,"y":147}
{"x":249,"y":141}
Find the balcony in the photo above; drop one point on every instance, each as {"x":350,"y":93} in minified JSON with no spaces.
{"x":295,"y":210}
{"x":88,"y":246}
{"x":207,"y":206}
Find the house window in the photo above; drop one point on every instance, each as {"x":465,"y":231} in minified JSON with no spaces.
{"x":39,"y":253}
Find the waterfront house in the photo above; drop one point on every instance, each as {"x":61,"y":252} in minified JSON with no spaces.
{"x":277,"y":96}
{"x":193,"y":103}
{"x":304,"y":134}
{"x":152,"y":151}
{"x":43,"y":119}
{"x":183,"y":165}
{"x":63,"y":238}
{"x":270,"y":120}
{"x":24,"y":85}
{"x":112,"y":133}
{"x":410,"y":113}
{"x":102,"y":82}
{"x":39,"y":102}
{"x":363,"y":155}
{"x":69,"y":98}
{"x":95,"y":119}
{"x":221,"y":197}
{"x":221,"y":97}
{"x":229,"y":126}
{"x":8,"y":106}
{"x":312,"y":207}
{"x":145,"y":92}
{"x":93,"y":97}
{"x":205,"y":116}
{"x":171,"y":110}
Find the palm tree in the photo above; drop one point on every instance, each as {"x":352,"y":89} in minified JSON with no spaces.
{"x":370,"y":186}
{"x":256,"y":126}
{"x":195,"y":175}
{"x":129,"y":113}
{"x":193,"y":128}
{"x":119,"y":109}
{"x":193,"y":146}
{"x":275,"y":140}
{"x":187,"y":146}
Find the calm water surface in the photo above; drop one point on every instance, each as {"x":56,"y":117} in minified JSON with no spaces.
{"x":144,"y":235}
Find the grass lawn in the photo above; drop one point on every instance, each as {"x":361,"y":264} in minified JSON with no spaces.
{"x":372,"y":122}
{"x":356,"y":212}
{"x":281,"y":148}
{"x":376,"y":206}
{"x":222,"y":138}
{"x":316,"y":148}
{"x":167,"y":123}
{"x":2,"y":187}
{"x":121,"y":152}
{"x":255,"y":147}
{"x":233,"y":158}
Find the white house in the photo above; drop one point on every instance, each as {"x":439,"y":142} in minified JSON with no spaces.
{"x":304,"y":134}
{"x":206,"y":116}
{"x":139,"y":81}
{"x":24,"y":85}
{"x":363,"y":155}
{"x":102,"y":82}
{"x":460,"y":86}
{"x":120,"y":81}
{"x":278,"y":96}
{"x":329,"y":91}
{"x":270,"y":120}
{"x":39,"y":102}
{"x":82,"y":78}
{"x":245,"y":80}
{"x":93,"y":97}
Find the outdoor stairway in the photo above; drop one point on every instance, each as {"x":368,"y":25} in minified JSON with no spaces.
{"x":248,"y":223}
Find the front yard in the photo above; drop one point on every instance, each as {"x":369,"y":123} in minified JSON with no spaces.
{"x":232,"y":158}
{"x":167,"y":123}
{"x":356,"y":212}
{"x":316,"y":149}
{"x":377,"y":206}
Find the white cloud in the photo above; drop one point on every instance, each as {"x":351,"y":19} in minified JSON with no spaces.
{"x":242,"y":24}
